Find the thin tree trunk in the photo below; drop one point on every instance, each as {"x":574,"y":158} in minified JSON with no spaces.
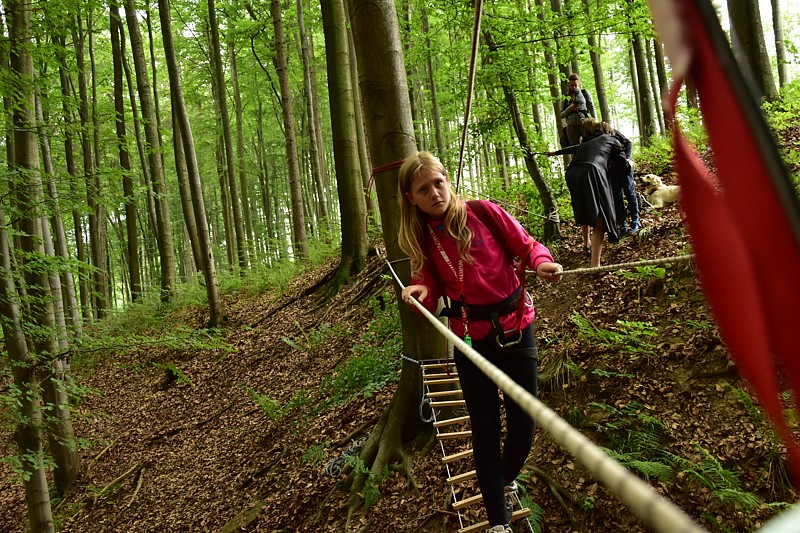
{"x":166,"y":250}
{"x":132,"y":237}
{"x":98,"y":300}
{"x":551,"y":225}
{"x":27,"y":434}
{"x":645,"y":102}
{"x":343,"y":125}
{"x":295,"y":191}
{"x":651,"y":74}
{"x":227,"y":137}
{"x":597,"y":66}
{"x":747,"y":42}
{"x":780,"y":44}
{"x":314,"y":147}
{"x":244,"y":194}
{"x":437,"y":117}
{"x":203,"y":254}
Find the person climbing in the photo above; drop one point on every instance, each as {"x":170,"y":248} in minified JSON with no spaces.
{"x":589,"y":188}
{"x":455,"y":253}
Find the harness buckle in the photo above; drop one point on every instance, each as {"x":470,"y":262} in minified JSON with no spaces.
{"x":509,"y":343}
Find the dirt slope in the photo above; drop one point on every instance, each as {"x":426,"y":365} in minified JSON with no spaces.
{"x":199,"y":451}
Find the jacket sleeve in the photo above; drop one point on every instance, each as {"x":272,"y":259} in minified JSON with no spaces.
{"x":429,"y":279}
{"x":518,"y":239}
{"x":626,"y":143}
{"x":568,"y":150}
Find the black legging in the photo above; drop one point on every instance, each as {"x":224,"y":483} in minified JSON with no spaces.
{"x":496,"y":469}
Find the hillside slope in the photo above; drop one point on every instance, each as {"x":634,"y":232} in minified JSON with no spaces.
{"x":196,"y":449}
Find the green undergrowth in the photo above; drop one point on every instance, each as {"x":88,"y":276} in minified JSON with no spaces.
{"x":373,"y":364}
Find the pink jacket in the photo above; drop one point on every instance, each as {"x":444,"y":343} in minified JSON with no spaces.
{"x":489,"y":279}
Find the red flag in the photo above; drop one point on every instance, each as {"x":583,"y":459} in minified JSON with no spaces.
{"x":744,"y":221}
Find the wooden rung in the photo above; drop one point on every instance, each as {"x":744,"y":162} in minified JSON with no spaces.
{"x":430,"y":382}
{"x":454,"y":435}
{"x":461,"y":477}
{"x":439,"y":365}
{"x":480,"y":526}
{"x":441,"y":376}
{"x":450,"y":421}
{"x":457,"y":456}
{"x":449,"y":403}
{"x":441,"y":393}
{"x":466,"y":502}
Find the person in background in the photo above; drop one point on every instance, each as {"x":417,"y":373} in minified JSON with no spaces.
{"x":589,"y":188}
{"x":455,"y":254}
{"x":622,"y":186}
{"x":577,"y":108}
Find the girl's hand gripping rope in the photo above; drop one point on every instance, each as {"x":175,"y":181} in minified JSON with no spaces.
{"x":550,"y":271}
{"x":420,"y":292}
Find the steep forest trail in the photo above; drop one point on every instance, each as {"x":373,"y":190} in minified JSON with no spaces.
{"x":181,"y":439}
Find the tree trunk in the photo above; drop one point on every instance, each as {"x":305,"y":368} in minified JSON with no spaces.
{"x":282,"y":67}
{"x":244,"y":193}
{"x":390,"y":137}
{"x":204,"y":255}
{"x":345,"y":152}
{"x":645,"y":103}
{"x":661,"y":73}
{"x":749,"y":48}
{"x":597,"y":66}
{"x":780,"y":44}
{"x":651,"y":74}
{"x":61,"y":436}
{"x":29,"y":193}
{"x":96,"y":247}
{"x":28,"y":431}
{"x":166,"y":250}
{"x":69,"y":155}
{"x":436,"y":115}
{"x":552,"y":77}
{"x":549,"y":205}
{"x":227,"y":138}
{"x":314,"y":147}
{"x":132,"y":238}
{"x":99,"y":249}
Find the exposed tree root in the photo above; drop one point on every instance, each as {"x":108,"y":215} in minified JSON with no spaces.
{"x":560,"y":494}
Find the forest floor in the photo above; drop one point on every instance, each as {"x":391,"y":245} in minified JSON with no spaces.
{"x":645,"y":375}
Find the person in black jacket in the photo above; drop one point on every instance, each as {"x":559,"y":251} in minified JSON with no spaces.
{"x":589,"y":187}
{"x":622,"y":185}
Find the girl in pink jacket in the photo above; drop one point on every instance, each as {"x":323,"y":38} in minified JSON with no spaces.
{"x":456,"y":253}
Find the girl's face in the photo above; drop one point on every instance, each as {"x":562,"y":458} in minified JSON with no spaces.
{"x":430,"y":191}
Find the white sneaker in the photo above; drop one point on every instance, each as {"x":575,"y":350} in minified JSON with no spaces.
{"x":511,"y":487}
{"x":499,"y":529}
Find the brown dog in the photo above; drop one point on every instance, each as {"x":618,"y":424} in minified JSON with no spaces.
{"x":656,"y":193}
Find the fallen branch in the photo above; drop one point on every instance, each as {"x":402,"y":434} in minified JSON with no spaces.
{"x":108,"y":488}
{"x":139,"y":482}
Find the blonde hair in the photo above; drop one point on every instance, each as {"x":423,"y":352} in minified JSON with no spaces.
{"x":413,"y":220}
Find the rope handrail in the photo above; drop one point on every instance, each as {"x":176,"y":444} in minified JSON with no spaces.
{"x":652,"y":508}
{"x":632,"y":264}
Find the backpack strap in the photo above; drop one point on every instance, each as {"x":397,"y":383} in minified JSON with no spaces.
{"x":488,"y":219}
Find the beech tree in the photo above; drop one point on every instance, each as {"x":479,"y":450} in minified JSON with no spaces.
{"x":390,"y":137}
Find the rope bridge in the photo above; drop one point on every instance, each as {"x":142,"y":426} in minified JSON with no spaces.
{"x":656,"y":511}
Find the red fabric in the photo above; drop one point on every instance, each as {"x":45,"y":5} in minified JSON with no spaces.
{"x":747,"y":257}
